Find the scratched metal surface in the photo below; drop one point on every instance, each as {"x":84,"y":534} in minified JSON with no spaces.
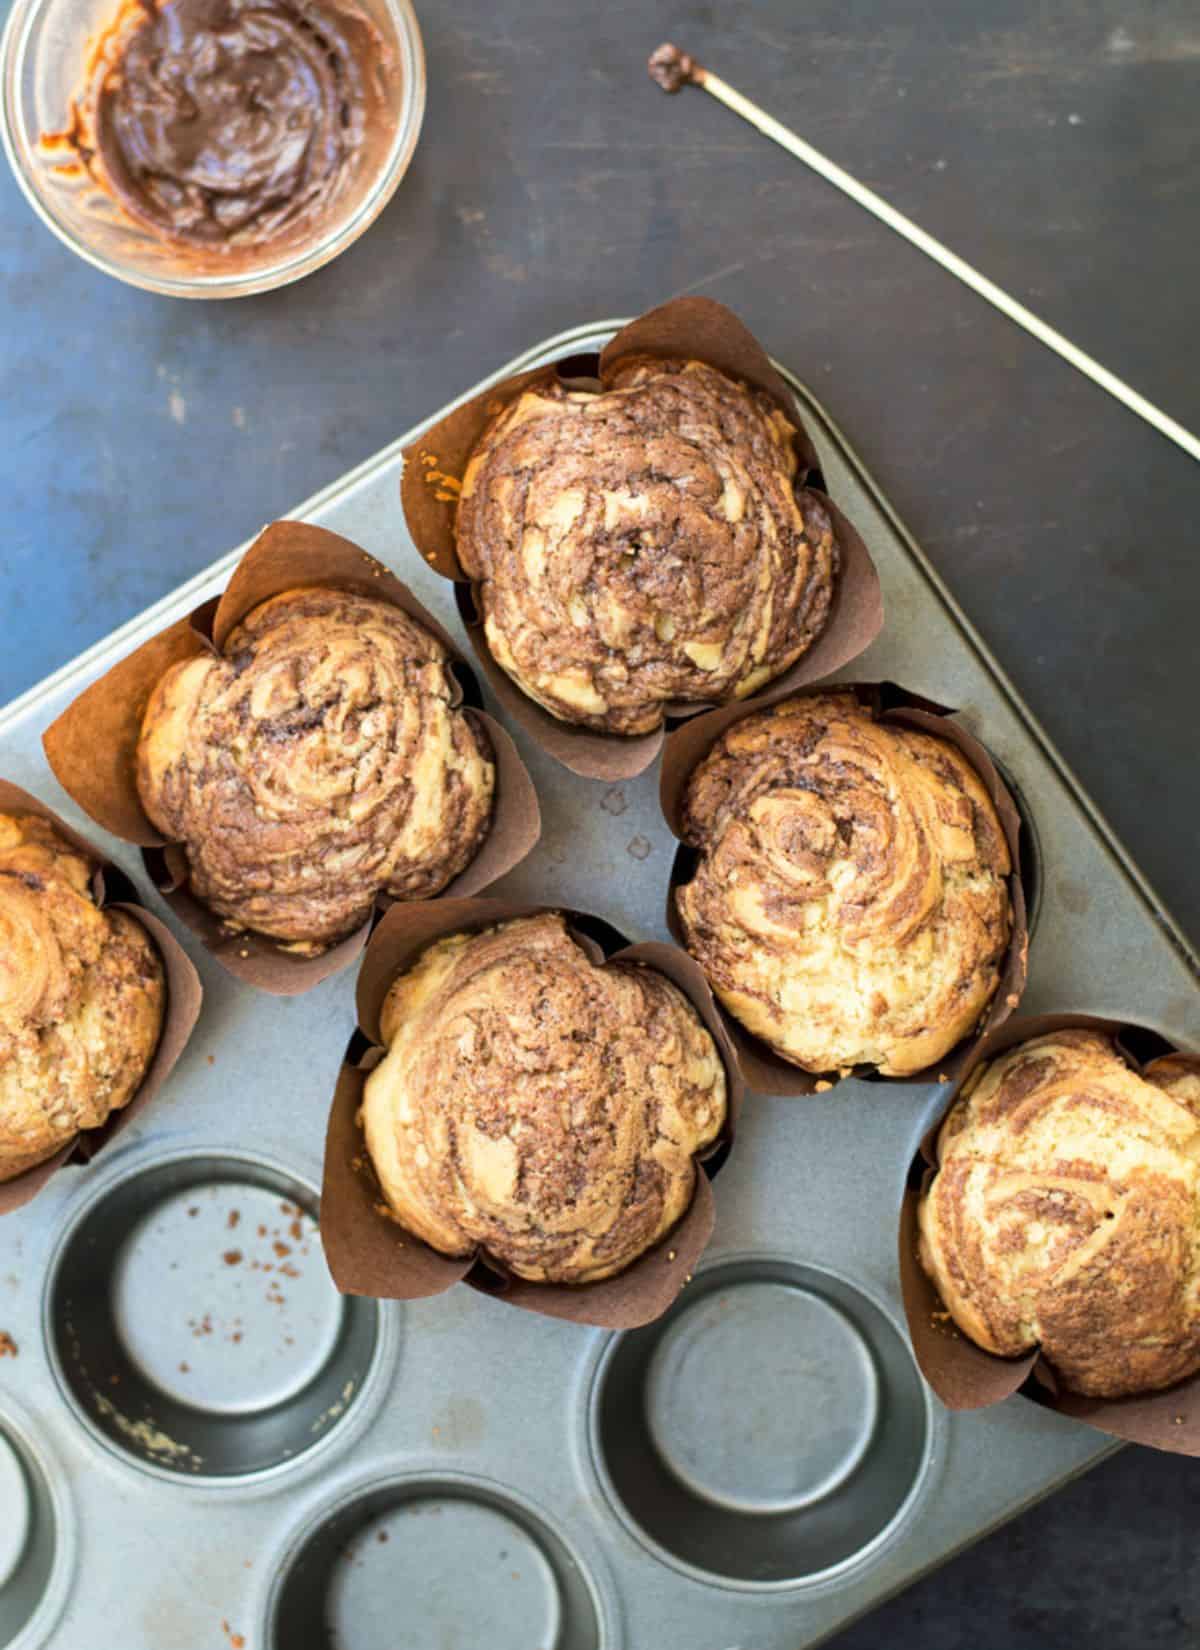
{"x":465,"y":1392}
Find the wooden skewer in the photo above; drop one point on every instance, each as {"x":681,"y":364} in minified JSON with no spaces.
{"x":673,"y":69}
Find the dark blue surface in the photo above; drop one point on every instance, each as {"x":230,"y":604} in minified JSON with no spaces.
{"x":1058,"y":148}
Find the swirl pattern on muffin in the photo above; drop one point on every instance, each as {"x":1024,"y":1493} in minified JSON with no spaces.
{"x":82,"y":994}
{"x":644,"y":545}
{"x":1065,"y":1213}
{"x":539,"y":1107}
{"x":319,"y":761}
{"x":850,"y":903}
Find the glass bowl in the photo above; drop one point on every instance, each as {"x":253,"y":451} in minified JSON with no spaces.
{"x":42,"y":62}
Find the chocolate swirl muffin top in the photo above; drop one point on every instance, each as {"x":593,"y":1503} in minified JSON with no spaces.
{"x":645,"y":545}
{"x":850,"y":904}
{"x":318,"y":762}
{"x":81,"y":998}
{"x":1066,"y":1213}
{"x":538,"y":1106}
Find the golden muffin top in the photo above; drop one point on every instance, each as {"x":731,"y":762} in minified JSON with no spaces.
{"x":539,"y":1106}
{"x":318,"y":761}
{"x":644,"y":544}
{"x":849,"y":904}
{"x":1065,"y":1213}
{"x":82,"y":994}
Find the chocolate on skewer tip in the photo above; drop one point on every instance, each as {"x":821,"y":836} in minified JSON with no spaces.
{"x":673,"y":69}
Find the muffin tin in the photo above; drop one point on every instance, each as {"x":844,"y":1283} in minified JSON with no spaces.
{"x":202,"y":1444}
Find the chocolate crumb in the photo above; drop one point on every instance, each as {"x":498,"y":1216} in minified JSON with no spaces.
{"x":193,"y":1211}
{"x":281,"y":1249}
{"x":8,"y":1347}
{"x":212,"y":1059}
{"x":234,"y":1217}
{"x":670,"y":68}
{"x":382,"y":1536}
{"x":232,"y":1257}
{"x":185,"y":1369}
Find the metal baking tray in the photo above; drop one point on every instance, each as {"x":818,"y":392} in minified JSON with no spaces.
{"x":201,"y":1445}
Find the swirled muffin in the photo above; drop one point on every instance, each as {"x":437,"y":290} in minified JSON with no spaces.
{"x":1065,"y":1213}
{"x":81,"y":998}
{"x":318,"y":762}
{"x":643,"y":545}
{"x":850,"y":903}
{"x":537,"y":1106}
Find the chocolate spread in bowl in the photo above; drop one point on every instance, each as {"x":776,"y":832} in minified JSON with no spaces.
{"x":225,"y":124}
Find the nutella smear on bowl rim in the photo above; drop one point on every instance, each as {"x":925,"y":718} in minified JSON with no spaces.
{"x":208,"y":148}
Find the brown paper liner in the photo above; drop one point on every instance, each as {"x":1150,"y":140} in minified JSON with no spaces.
{"x":962,"y":1374}
{"x":693,"y":328}
{"x":368,"y":1253}
{"x":764,"y":1071}
{"x":182,"y":1008}
{"x":92,"y":747}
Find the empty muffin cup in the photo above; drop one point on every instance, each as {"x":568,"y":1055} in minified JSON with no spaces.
{"x":35,"y":1537}
{"x":385,"y":1569}
{"x":768,"y":1432}
{"x":192,"y":1323}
